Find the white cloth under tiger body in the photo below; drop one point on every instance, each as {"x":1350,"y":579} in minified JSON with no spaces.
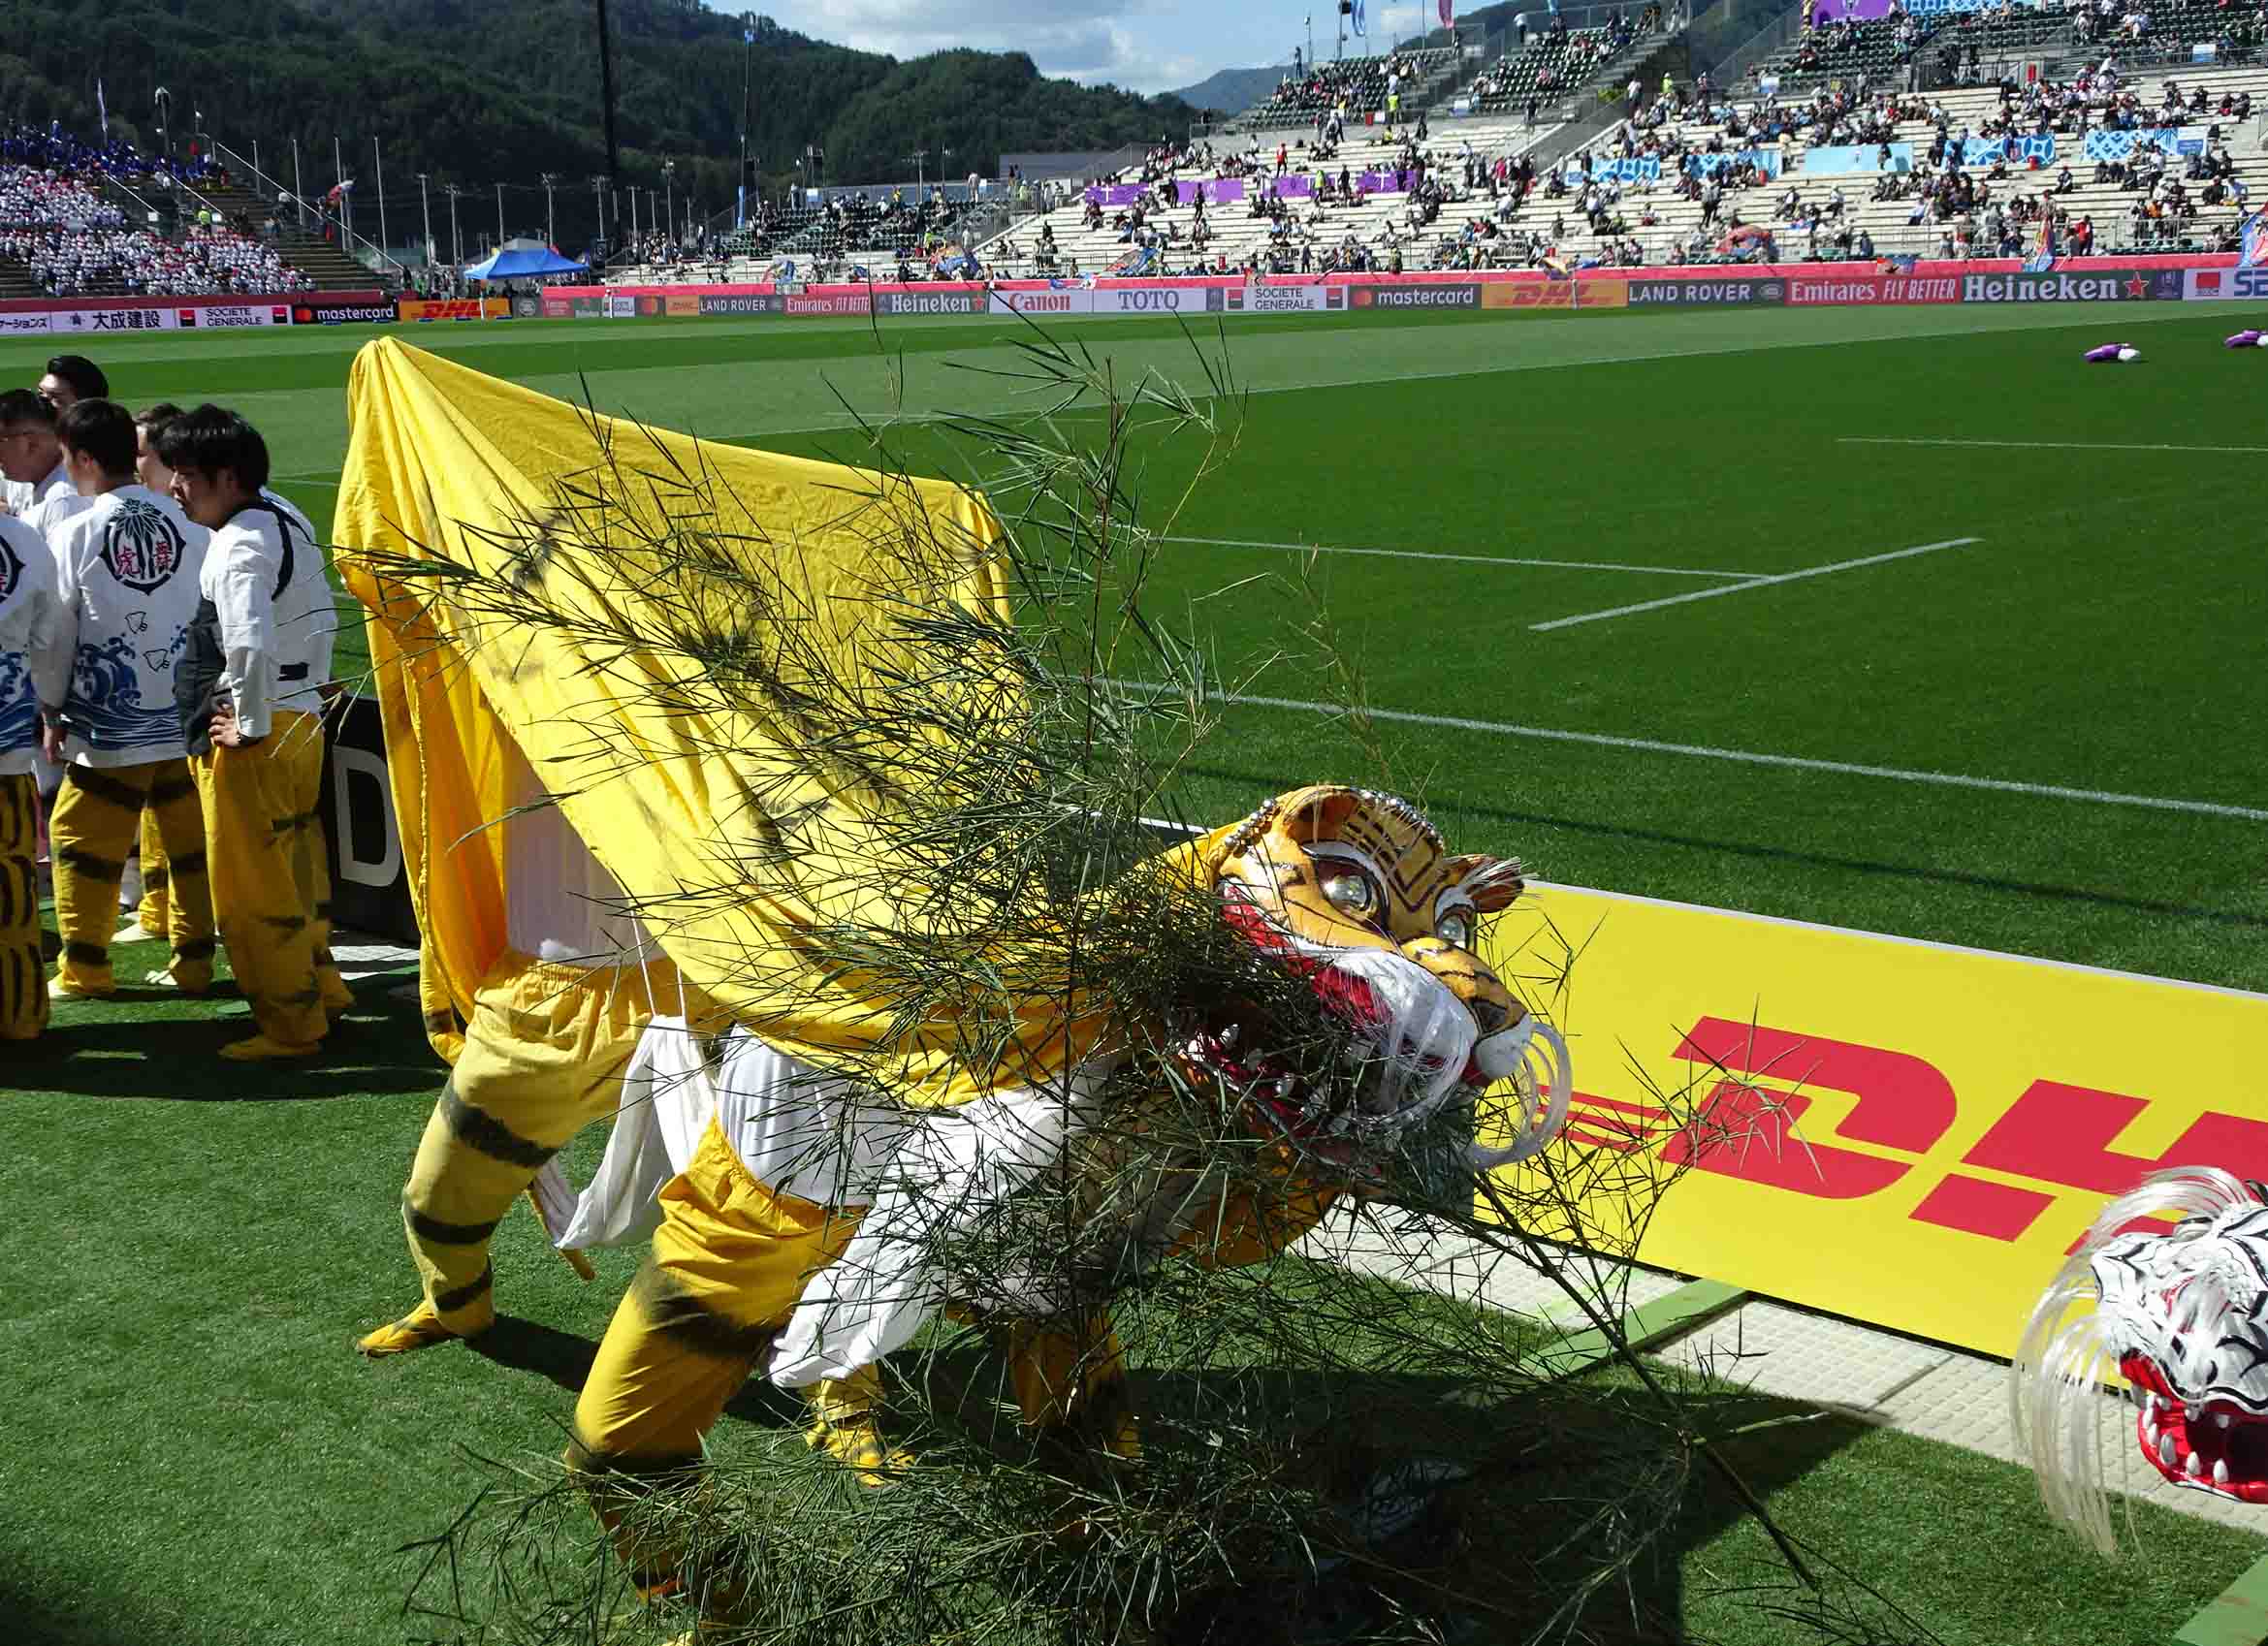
{"x":913,"y":1175}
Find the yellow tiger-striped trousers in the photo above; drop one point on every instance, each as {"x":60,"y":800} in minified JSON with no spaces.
{"x":98,"y":812}
{"x":727,"y":1266}
{"x":543,"y":1057}
{"x":268,"y":884}
{"x":23,"y":976}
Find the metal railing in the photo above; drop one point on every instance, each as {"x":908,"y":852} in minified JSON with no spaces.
{"x":324,"y":217}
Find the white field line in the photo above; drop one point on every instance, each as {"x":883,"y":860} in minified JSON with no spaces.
{"x":1750,"y":758}
{"x":1465,"y":560}
{"x":1753,"y":582}
{"x":2038,"y":444}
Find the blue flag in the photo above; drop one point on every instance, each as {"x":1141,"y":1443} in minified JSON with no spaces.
{"x":1358,"y":20}
{"x":2253,"y":240}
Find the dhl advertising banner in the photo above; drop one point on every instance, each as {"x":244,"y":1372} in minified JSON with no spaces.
{"x":1598,"y":293}
{"x":1910,"y":1134}
{"x":456,"y":308}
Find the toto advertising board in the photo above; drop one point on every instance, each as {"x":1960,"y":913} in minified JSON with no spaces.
{"x":1449,"y":295}
{"x":1651,"y":293}
{"x":1151,"y":300}
{"x":1843,"y":290}
{"x":2099,"y":285}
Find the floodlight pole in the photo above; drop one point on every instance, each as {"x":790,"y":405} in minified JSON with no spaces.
{"x":500,"y":216}
{"x":425,"y":205}
{"x":456,"y":239}
{"x":614,"y":159}
{"x":298,"y":189}
{"x":598,"y":204}
{"x":551,"y":232}
{"x":669,"y":195}
{"x":378,"y":166}
{"x":748,"y":64}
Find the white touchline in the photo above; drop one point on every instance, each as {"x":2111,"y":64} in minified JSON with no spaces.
{"x":1747,"y":757}
{"x":2037,"y":445}
{"x":1753,"y":582}
{"x":1467,"y":560}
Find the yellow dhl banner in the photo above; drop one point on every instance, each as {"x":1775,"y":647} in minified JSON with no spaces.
{"x":1923,"y":1131}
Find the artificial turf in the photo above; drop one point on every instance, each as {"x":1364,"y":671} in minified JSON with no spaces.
{"x":196,"y":1457}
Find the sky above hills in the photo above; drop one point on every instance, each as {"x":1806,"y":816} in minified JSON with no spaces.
{"x":1140,"y":44}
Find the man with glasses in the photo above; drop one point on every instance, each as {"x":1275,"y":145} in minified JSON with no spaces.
{"x":71,"y":379}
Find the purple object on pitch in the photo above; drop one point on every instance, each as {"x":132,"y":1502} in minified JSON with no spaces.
{"x":2245,"y":341}
{"x":2110,"y":354}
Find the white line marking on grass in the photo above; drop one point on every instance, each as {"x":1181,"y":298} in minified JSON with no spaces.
{"x":1753,"y":582}
{"x":1750,"y":758}
{"x":1467,"y":560}
{"x":2039,"y":445}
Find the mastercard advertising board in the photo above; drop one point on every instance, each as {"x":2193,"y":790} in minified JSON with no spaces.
{"x":1907,"y":1133}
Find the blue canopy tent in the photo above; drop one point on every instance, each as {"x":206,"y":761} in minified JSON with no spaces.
{"x":515,"y":263}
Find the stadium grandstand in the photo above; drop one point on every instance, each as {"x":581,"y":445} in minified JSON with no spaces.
{"x":2091,"y":127}
{"x":1986,"y":133}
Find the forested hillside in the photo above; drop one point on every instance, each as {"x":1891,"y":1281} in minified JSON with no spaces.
{"x":506,"y":90}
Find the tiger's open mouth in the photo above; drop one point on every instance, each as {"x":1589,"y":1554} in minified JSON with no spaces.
{"x":1341,"y":1113}
{"x":2214,"y":1446}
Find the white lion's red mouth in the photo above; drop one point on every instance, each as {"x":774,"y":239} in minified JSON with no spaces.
{"x":2213,"y":1446}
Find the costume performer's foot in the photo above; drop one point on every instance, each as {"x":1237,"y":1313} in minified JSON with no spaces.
{"x":162,"y":978}
{"x":67,"y":990}
{"x":858,"y":1446}
{"x":262,"y":1049}
{"x":420,"y":1328}
{"x":132,"y":933}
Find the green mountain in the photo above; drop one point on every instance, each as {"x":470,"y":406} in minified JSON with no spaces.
{"x":1231,"y":91}
{"x":508,"y":90}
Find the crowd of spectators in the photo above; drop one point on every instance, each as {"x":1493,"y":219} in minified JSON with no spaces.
{"x":31,"y":195}
{"x":206,"y":261}
{"x":52,"y":148}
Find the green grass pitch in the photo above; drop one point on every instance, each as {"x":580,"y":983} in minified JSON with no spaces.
{"x":194,"y":1454}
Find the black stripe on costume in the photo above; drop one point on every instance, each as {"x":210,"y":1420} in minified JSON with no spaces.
{"x":478,"y":1129}
{"x":678,"y":1314}
{"x":440,"y":1022}
{"x":587,"y":1459}
{"x":90,"y":866}
{"x":470,"y":1291}
{"x":87,"y":954}
{"x":197,"y":949}
{"x":428,"y":1227}
{"x":167,"y":790}
{"x":289,"y":924}
{"x":100,"y":784}
{"x":188,"y":863}
{"x":154,"y":878}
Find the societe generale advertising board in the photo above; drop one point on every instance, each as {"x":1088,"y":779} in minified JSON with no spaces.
{"x":1908,"y":1133}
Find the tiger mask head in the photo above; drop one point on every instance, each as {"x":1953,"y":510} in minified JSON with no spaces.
{"x":1353,"y":893}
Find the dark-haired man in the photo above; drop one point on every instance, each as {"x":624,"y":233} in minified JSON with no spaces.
{"x":126,"y":578}
{"x":250,"y":708}
{"x":71,"y":379}
{"x":29,"y":456}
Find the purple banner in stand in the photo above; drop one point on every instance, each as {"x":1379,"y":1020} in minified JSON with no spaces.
{"x":1292,"y":185}
{"x":1857,"y":11}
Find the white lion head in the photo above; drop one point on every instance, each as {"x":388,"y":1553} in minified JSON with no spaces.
{"x":2180,"y":1316}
